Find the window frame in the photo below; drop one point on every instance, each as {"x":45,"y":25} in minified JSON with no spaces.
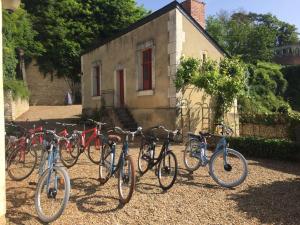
{"x":96,"y":77}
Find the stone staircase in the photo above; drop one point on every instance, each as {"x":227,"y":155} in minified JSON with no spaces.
{"x":126,"y":119}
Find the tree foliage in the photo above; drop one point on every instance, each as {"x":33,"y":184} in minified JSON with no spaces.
{"x":224,"y":80}
{"x":249,"y":35}
{"x":292,"y":95}
{"x":67,"y":27}
{"x":18,"y":33}
{"x":266,"y":88}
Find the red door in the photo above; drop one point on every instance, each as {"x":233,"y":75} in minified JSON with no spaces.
{"x":121,"y":87}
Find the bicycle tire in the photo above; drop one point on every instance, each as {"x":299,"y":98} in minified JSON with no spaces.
{"x":142,"y":153}
{"x":12,"y":158}
{"x":215,"y":176}
{"x":41,"y":182}
{"x":93,"y":160}
{"x":161,"y":163}
{"x":185,"y":156}
{"x":74,"y":156}
{"x":131,"y":176}
{"x":105,"y":156}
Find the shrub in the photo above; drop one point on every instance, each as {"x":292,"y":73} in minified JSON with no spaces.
{"x":266,"y":148}
{"x":17,"y":88}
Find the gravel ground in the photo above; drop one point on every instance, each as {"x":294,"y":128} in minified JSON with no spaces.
{"x":270,"y":195}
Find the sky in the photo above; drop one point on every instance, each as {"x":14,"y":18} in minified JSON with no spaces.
{"x":285,"y":10}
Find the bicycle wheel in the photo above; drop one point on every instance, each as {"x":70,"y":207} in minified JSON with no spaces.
{"x":69,"y":153}
{"x":94,"y":153}
{"x":231,"y":174}
{"x":191,"y":155}
{"x":21,"y":162}
{"x":52,"y":194}
{"x":144,"y":158}
{"x":167,"y":170}
{"x":126,"y":180}
{"x":105,"y":165}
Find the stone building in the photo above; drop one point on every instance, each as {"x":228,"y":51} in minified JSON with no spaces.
{"x":135,"y":69}
{"x":288,"y":55}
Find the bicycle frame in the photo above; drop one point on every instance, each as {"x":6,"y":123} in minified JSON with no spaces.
{"x":85,"y":142}
{"x":221,"y":146}
{"x":114,"y":168}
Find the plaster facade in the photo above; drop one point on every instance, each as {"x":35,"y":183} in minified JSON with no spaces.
{"x":171,"y":36}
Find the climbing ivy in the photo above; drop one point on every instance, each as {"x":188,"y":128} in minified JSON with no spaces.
{"x":224,"y":80}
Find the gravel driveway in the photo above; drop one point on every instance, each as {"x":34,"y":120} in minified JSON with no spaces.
{"x":270,"y":195}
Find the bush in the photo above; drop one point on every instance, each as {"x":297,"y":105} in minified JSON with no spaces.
{"x":266,"y":148}
{"x":17,"y":87}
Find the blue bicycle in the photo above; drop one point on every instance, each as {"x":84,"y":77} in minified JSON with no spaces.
{"x":227,"y":167}
{"x":125,"y":166}
{"x":53,"y":187}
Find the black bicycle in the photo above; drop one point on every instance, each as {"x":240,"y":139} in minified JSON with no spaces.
{"x":167,"y":163}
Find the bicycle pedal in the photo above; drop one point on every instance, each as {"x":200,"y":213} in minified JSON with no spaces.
{"x":32,"y":183}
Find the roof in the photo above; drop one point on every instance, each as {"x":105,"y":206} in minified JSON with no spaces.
{"x":153,"y":16}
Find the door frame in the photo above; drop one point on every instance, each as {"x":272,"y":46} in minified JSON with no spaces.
{"x":117,"y":86}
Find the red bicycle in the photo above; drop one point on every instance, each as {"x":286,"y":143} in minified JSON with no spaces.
{"x":21,"y":153}
{"x":86,"y":140}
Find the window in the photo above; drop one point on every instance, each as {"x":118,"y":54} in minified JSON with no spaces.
{"x":96,"y":81}
{"x":147,"y":69}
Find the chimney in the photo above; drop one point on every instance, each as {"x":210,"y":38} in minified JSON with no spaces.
{"x":196,"y":9}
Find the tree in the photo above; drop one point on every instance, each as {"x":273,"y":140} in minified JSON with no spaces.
{"x":67,"y":27}
{"x":251,"y":36}
{"x":266,"y":89}
{"x":17,"y":34}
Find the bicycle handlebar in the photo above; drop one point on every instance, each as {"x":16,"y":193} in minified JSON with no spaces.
{"x":225,"y":129}
{"x":120,"y":130}
{"x":66,"y":124}
{"x":174,"y":132}
{"x":96,"y":122}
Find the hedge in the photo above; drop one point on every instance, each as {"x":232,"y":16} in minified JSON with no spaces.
{"x":266,"y":148}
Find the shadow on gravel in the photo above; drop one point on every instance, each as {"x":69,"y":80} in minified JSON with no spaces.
{"x":283,"y":166}
{"x":88,"y":201}
{"x":146,"y":188}
{"x":16,"y":198}
{"x":187,"y":178}
{"x":275,"y":203}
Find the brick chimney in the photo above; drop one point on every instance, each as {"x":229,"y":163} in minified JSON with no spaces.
{"x":196,"y":9}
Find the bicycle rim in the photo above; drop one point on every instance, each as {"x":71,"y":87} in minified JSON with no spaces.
{"x":144,"y":158}
{"x":52,"y":194}
{"x":105,"y":165}
{"x":191,"y":155}
{"x":231,"y":174}
{"x":94,"y":152}
{"x":21,"y":163}
{"x":126,"y":180}
{"x":167,"y":170}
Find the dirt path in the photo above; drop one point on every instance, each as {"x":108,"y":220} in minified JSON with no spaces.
{"x":270,"y":195}
{"x":51,"y":113}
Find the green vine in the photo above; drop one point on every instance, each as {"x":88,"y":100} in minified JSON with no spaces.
{"x":224,"y":80}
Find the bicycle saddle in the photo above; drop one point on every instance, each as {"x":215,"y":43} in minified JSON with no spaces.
{"x":114,"y":138}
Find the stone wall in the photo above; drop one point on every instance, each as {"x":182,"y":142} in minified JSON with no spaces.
{"x":45,"y":90}
{"x":265,"y":131}
{"x":13,"y":108}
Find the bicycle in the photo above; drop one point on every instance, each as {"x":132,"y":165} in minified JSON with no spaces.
{"x":69,"y":148}
{"x":53,"y":187}
{"x":21,"y":153}
{"x":224,"y":164}
{"x":125,"y":165}
{"x":92,"y":144}
{"x":166,"y":161}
